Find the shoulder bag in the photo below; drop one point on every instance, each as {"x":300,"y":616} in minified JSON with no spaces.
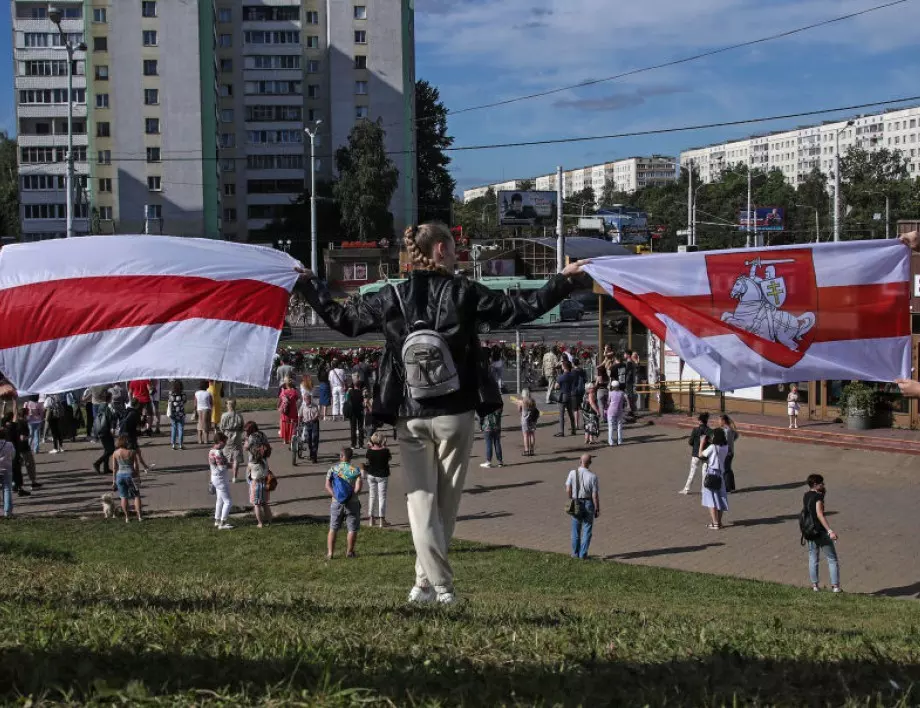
{"x":573,"y":508}
{"x":713,"y":482}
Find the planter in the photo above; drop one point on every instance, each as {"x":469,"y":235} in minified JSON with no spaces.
{"x":859,"y":420}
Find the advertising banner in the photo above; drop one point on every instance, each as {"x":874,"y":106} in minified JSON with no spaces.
{"x":527,"y":208}
{"x":768,"y":219}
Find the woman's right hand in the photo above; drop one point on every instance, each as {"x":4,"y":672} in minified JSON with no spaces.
{"x":575,"y":268}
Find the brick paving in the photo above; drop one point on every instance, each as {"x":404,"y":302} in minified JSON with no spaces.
{"x":873,"y":498}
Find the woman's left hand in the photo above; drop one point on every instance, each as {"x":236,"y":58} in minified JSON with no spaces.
{"x":576,"y":268}
{"x":305,"y":273}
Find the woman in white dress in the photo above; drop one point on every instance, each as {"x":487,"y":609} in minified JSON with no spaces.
{"x":714,"y":495}
{"x":792,"y":402}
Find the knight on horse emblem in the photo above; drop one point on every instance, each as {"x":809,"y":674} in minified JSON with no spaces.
{"x":760,"y":300}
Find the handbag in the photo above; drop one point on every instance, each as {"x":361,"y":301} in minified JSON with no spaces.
{"x":573,"y":508}
{"x":211,"y":490}
{"x":713,"y":482}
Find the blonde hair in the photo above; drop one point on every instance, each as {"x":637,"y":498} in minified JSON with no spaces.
{"x":231,"y":405}
{"x":420,"y":243}
{"x":377,"y":439}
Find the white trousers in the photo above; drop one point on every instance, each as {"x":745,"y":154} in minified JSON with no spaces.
{"x":435,"y":455}
{"x":377,"y":494}
{"x":695,"y":465}
{"x":224,"y":504}
{"x":338,"y":398}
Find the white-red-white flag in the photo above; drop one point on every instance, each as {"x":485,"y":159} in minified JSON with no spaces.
{"x":774,"y":315}
{"x":100,"y":309}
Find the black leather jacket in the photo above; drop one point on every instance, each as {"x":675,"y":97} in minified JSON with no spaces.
{"x":466,"y":304}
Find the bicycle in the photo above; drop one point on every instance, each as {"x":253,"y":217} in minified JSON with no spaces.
{"x":297,"y":443}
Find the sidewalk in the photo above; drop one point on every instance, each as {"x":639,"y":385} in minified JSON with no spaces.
{"x":872,"y":498}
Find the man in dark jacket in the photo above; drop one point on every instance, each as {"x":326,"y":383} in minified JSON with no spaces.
{"x":699,"y":435}
{"x":567,"y":383}
{"x":103,"y":422}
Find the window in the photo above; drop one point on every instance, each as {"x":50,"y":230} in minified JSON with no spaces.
{"x":259,"y":13}
{"x":105,"y":213}
{"x":227,"y":140}
{"x":153,"y":154}
{"x":261,"y":137}
{"x":225,"y":40}
{"x":152,"y":126}
{"x":100,"y":44}
{"x":35,"y":39}
{"x":226,"y":115}
{"x":103,"y":130}
{"x":354,"y":271}
{"x":360,"y":61}
{"x":50,"y":67}
{"x":102,"y":72}
{"x":150,"y":38}
{"x":272,"y":61}
{"x":229,"y":214}
{"x":225,"y":14}
{"x":227,"y":164}
{"x":278,"y":37}
{"x":274,"y":186}
{"x":312,"y":66}
{"x":274,"y":162}
{"x":229,"y":189}
{"x":151,"y":97}
{"x":151,"y":67}
{"x":360,"y":112}
{"x":226,"y":65}
{"x":313,"y":91}
{"x":99,"y":14}
{"x":149,"y":8}
{"x":360,"y":12}
{"x":154,"y":183}
{"x":312,"y":17}
{"x":105,"y":184}
{"x":32,"y":183}
{"x":360,"y":37}
{"x":265,"y":114}
{"x":105,"y":157}
{"x":154,"y":211}
{"x":361,"y":88}
{"x":274,"y":88}
{"x":312,"y":42}
{"x":102,"y":100}
{"x":313,"y":114}
{"x":226,"y":90}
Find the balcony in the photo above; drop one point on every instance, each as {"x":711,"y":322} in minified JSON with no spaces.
{"x":79,"y":140}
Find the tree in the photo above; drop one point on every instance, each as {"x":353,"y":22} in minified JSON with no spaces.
{"x":9,"y":187}
{"x":582,"y":202}
{"x":868,"y":178}
{"x":478,"y":217}
{"x":611,"y":195}
{"x":367,"y":182}
{"x":526,"y":185}
{"x":435,"y":185}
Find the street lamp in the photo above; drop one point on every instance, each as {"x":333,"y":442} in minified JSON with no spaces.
{"x":817,"y":223}
{"x":314,"y":257}
{"x":837,"y":179}
{"x":55,"y":15}
{"x":284,"y":245}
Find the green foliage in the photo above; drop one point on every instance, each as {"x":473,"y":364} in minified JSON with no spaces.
{"x":172,"y":612}
{"x":9,"y":187}
{"x":526,"y":185}
{"x":478,"y":217}
{"x":435,"y":184}
{"x":582,"y":202}
{"x":868,"y":178}
{"x":610,"y":195}
{"x":367,"y":181}
{"x":857,"y":398}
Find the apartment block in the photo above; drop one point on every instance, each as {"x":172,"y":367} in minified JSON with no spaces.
{"x":797,"y":152}
{"x":144,"y":117}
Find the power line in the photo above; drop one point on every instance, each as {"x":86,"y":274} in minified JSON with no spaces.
{"x":674,"y":62}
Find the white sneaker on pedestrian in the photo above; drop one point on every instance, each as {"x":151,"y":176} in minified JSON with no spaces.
{"x":53,"y":452}
{"x":421,"y":596}
{"x":447,"y":598}
{"x":217,"y":524}
{"x":486,"y":464}
{"x":684,"y":491}
{"x":224,"y":526}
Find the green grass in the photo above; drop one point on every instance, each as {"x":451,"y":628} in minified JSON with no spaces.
{"x":173,"y":612}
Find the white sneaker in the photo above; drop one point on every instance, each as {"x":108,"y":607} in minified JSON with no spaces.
{"x":447,"y":598}
{"x":217,"y":524}
{"x":486,"y":464}
{"x":421,"y":596}
{"x":684,"y":491}
{"x":53,"y":452}
{"x":224,"y":527}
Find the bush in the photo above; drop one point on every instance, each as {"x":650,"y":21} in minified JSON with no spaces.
{"x":857,"y":398}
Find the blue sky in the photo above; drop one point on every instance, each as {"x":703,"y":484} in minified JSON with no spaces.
{"x":477,"y":51}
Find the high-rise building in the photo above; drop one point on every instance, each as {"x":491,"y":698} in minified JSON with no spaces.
{"x":144,"y":108}
{"x":285,"y":64}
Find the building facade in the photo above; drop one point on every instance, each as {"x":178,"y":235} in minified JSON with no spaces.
{"x":797,"y":152}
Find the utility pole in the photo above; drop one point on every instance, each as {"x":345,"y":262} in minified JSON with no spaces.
{"x":314,"y":255}
{"x":887,"y":216}
{"x":690,"y":235}
{"x":748,"y":225}
{"x":837,"y":180}
{"x":560,"y":235}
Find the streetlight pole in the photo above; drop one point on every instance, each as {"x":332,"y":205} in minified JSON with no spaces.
{"x":837,"y":180}
{"x":817,"y":223}
{"x":55,"y":15}
{"x":314,"y":256}
{"x":887,"y":216}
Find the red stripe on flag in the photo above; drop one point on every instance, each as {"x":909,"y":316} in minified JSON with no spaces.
{"x":56,"y":309}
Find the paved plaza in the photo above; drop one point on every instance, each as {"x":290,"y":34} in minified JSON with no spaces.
{"x":872,"y":497}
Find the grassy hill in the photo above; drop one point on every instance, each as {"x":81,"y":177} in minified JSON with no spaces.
{"x":173,"y":612}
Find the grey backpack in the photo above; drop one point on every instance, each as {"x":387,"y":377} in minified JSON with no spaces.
{"x":430,"y":367}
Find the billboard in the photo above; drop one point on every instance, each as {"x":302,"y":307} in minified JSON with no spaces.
{"x":768,"y":219}
{"x":527,"y":208}
{"x":625,"y":224}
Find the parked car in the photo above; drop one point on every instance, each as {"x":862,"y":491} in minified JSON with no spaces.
{"x":571,"y":310}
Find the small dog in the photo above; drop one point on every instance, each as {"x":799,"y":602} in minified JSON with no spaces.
{"x":108,"y":505}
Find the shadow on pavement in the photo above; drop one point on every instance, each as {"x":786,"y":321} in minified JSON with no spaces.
{"x":903,"y":591}
{"x":484,"y":515}
{"x":653,"y":552}
{"x":480,"y":489}
{"x":770,"y":487}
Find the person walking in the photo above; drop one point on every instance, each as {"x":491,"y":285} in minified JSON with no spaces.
{"x":93,"y":398}
{"x":140,"y":392}
{"x":565,"y":383}
{"x":590,"y":416}
{"x":377,"y":471}
{"x":288,"y":403}
{"x":125,"y":476}
{"x":256,"y":472}
{"x":306,"y":386}
{"x":343,"y":483}
{"x":616,"y":413}
{"x":175,"y":411}
{"x":578,"y":391}
{"x":324,"y":391}
{"x":218,"y":463}
{"x":54,"y":413}
{"x":530,"y":414}
{"x":492,"y":429}
{"x":216,"y":389}
{"x":7,"y":453}
{"x":792,"y":406}
{"x":155,"y":404}
{"x":436,"y":421}
{"x":698,"y":435}
{"x":337,"y":380}
{"x":497,"y":367}
{"x":353,"y":411}
{"x":582,"y":487}
{"x":35,"y":417}
{"x":118,"y":404}
{"x":130,"y":430}
{"x":204,"y":404}
{"x":231,"y":425}
{"x":714,"y":495}
{"x":824,"y":538}
{"x":602,"y":390}
{"x":629,"y":385}
{"x":550,"y":371}
{"x":25,"y":447}
{"x":309,"y":416}
{"x":11,"y":426}
{"x":103,"y":425}
{"x":731,"y":434}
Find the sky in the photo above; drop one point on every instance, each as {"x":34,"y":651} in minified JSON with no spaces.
{"x":479,"y":51}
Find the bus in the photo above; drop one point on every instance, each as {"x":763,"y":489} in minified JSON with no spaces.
{"x":505,"y":284}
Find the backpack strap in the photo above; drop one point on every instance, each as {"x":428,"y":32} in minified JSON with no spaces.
{"x":402,"y":305}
